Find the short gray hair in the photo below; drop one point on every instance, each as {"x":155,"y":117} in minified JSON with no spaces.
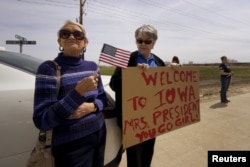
{"x":67,"y":22}
{"x":148,"y":30}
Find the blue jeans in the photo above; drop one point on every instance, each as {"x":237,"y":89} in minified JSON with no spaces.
{"x":85,"y":152}
{"x":225,"y":82}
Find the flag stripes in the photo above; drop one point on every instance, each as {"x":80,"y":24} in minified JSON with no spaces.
{"x":114,"y":56}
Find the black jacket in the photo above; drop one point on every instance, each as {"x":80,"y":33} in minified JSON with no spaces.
{"x":116,"y":82}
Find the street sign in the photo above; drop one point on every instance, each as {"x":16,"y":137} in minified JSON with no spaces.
{"x":29,"y":42}
{"x":20,"y":38}
{"x":12,"y":42}
{"x":21,"y":42}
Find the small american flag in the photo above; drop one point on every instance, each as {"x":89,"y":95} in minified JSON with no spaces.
{"x":114,"y":56}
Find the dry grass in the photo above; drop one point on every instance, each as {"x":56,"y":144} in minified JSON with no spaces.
{"x":210,"y":80}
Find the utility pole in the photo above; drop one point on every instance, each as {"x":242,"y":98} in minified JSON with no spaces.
{"x":82,"y":2}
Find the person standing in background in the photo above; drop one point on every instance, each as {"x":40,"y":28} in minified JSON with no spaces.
{"x":175,"y":62}
{"x":225,"y":78}
{"x":139,"y":155}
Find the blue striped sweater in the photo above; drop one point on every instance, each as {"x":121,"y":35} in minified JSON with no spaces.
{"x":51,"y":112}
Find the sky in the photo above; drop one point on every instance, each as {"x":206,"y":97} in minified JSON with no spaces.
{"x":197,"y":31}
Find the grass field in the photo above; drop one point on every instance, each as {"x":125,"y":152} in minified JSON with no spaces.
{"x":212,"y":72}
{"x":240,"y":73}
{"x":210,"y":80}
{"x":107,"y":70}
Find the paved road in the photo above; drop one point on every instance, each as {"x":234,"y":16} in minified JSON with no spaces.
{"x":222,"y":127}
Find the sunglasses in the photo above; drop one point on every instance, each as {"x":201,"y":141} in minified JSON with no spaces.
{"x":65,"y":34}
{"x":147,"y":42}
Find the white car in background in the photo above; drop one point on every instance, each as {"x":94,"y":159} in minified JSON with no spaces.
{"x":18,"y":133}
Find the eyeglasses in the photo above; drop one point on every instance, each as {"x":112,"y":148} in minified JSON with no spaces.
{"x":65,"y":34}
{"x":147,"y":42}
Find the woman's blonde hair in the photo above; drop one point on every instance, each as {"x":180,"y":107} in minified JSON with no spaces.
{"x":74,"y":23}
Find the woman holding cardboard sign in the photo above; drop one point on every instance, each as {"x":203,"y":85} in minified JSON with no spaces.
{"x":139,"y":155}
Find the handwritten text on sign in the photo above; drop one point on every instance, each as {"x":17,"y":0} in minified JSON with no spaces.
{"x":157,"y":101}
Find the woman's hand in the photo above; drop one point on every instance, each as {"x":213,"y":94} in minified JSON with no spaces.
{"x":174,"y":66}
{"x":83,"y":110}
{"x":87,"y":84}
{"x":143,"y":66}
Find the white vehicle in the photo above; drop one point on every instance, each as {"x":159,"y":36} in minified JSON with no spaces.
{"x":18,"y":133}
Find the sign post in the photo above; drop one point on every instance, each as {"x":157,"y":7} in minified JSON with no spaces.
{"x":20,"y":38}
{"x":22,"y":41}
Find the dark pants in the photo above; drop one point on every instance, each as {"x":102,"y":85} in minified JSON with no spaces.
{"x":84,"y":152}
{"x":225,"y":82}
{"x":141,"y":154}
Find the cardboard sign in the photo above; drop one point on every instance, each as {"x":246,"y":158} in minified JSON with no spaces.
{"x":157,"y":101}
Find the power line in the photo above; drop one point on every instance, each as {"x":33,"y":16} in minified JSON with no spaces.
{"x":108,"y":9}
{"x":48,"y":4}
{"x":116,"y":11}
{"x":128,"y":15}
{"x":173,"y":10}
{"x":60,"y":2}
{"x":215,"y":12}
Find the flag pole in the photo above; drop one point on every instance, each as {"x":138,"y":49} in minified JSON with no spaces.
{"x":97,"y":69}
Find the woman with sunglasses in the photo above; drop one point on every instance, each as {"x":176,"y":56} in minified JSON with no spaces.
{"x":79,"y":131}
{"x":139,"y":155}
